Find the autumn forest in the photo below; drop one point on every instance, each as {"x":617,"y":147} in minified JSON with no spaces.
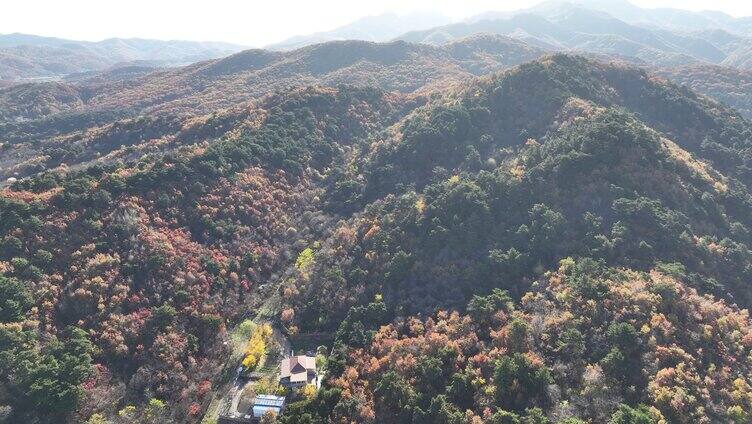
{"x":460,"y":225}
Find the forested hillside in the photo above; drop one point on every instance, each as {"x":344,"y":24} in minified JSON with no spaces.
{"x":577,"y":239}
{"x":567,"y":240}
{"x":730,"y":86}
{"x":150,"y":261}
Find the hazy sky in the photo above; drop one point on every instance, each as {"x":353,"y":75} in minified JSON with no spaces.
{"x":248,"y":22}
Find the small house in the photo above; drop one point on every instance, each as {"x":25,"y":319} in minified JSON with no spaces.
{"x":298,"y":371}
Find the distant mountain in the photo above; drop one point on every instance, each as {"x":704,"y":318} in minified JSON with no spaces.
{"x":569,"y":27}
{"x":24,"y":56}
{"x":388,"y":26}
{"x":667,"y":18}
{"x":18,"y":39}
{"x":36,"y":62}
{"x":371,"y":28}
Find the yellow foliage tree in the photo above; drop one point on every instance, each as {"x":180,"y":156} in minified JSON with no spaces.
{"x":97,"y":419}
{"x":305,"y":261}
{"x":308,"y":391}
{"x":128,"y":412}
{"x":256,"y":346}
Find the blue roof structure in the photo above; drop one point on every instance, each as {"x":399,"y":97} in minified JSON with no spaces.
{"x":259,"y":411}
{"x":264,"y":403}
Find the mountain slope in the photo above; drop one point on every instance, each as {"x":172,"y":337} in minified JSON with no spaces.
{"x":55,"y":121}
{"x":589,"y":150}
{"x":573,"y":170}
{"x":565,"y":356}
{"x":51,"y":124}
{"x":253,"y":73}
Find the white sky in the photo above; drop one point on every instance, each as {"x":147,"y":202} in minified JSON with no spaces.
{"x":247,"y":22}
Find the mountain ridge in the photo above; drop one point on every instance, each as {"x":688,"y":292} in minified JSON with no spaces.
{"x":44,"y":115}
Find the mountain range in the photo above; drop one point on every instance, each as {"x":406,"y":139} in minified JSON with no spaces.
{"x":665,"y":18}
{"x":24,"y":56}
{"x":667,"y":37}
{"x":38,"y":117}
{"x":435,"y":28}
{"x":574,"y":28}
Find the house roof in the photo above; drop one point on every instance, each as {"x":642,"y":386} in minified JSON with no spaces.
{"x":297,"y":368}
{"x":269,"y":400}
